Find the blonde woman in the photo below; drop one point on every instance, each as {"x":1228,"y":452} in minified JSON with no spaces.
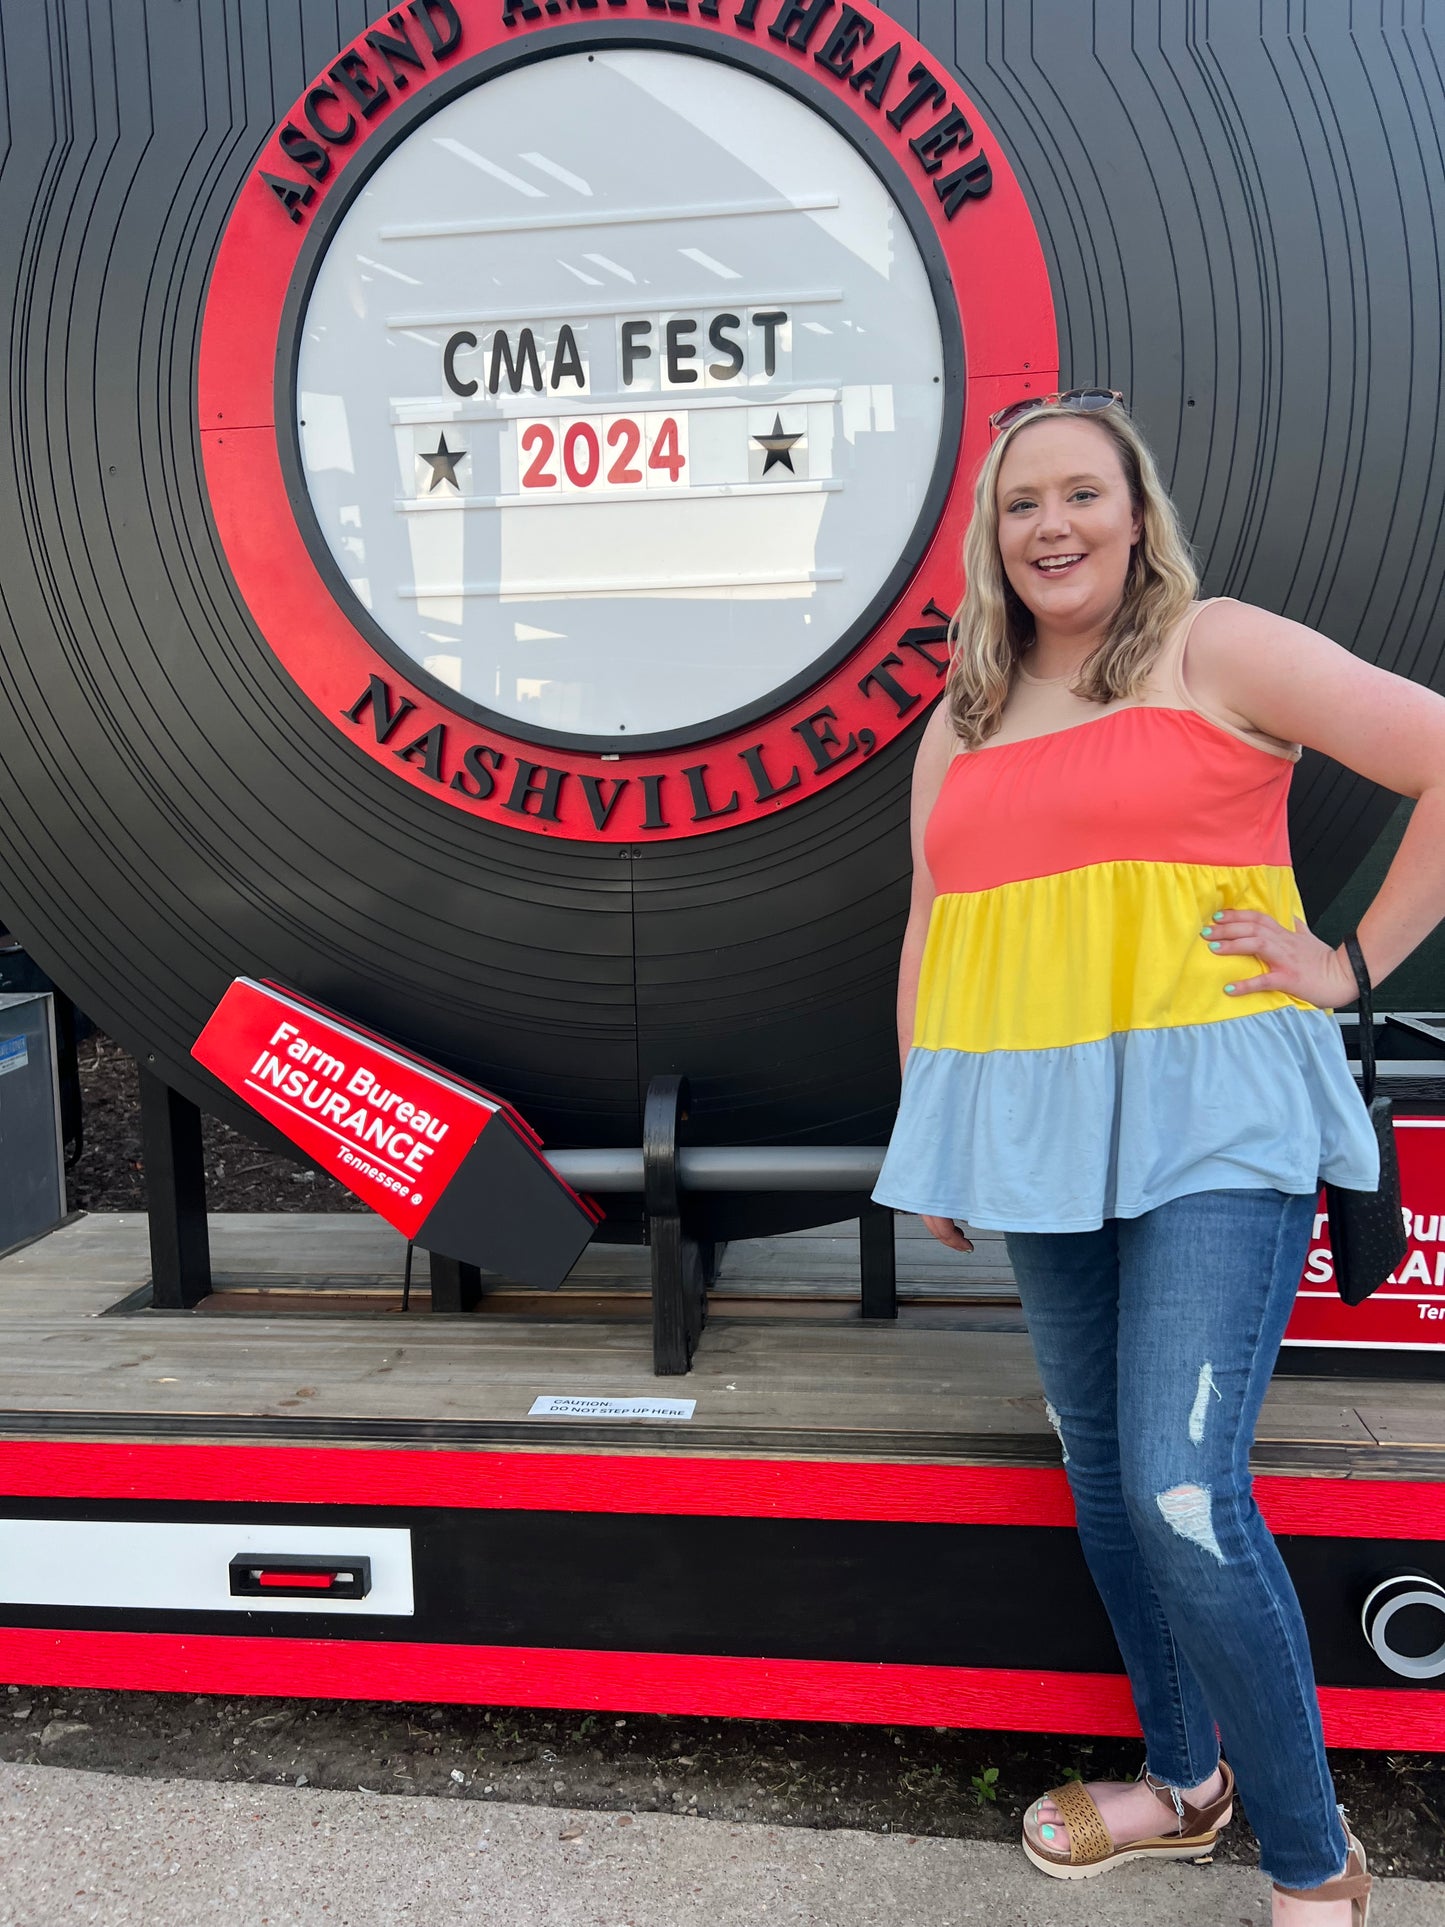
{"x":1119,"y":1053}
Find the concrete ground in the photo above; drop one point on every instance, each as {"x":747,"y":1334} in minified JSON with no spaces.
{"x":92,"y":1848}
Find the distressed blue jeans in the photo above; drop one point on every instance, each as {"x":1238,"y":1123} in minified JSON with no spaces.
{"x":1155,"y":1339}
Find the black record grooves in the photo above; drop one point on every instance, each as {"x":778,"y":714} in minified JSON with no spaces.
{"x":1239,"y":209}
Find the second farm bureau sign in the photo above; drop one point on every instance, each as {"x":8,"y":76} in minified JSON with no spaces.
{"x":590,"y":397}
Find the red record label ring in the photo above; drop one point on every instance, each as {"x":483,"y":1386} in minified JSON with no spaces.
{"x":993,"y":290}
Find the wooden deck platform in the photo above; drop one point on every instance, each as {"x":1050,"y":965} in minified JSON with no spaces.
{"x":304,"y":1338}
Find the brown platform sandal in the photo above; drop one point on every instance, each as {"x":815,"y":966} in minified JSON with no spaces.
{"x":1092,"y":1850}
{"x":1353,"y":1884}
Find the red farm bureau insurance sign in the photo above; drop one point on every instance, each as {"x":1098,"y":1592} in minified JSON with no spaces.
{"x":590,"y":395}
{"x":1407,"y":1313}
{"x":393,"y":1131}
{"x":442,"y":1160}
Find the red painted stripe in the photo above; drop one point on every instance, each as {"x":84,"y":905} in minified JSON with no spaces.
{"x":641,"y":1482}
{"x":540,"y":1676}
{"x":537,"y":1481}
{"x":1011,"y":1701}
{"x":317,"y":1581}
{"x":1353,"y":1508}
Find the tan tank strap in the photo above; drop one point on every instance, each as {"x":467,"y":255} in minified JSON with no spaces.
{"x":1169,"y":663}
{"x":1168,"y":677}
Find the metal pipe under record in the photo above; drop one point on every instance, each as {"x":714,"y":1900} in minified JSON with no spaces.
{"x":743,"y":1167}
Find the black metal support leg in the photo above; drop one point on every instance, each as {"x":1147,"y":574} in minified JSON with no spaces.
{"x":679,"y":1293}
{"x":175,"y":1195}
{"x":877,"y":1262}
{"x":454,"y":1286}
{"x":710,"y":1255}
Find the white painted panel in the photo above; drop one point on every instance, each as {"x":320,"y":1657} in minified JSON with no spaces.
{"x":637,"y":237}
{"x":184,"y":1567}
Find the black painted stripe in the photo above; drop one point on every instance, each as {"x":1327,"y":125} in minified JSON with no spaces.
{"x":900,"y":1593}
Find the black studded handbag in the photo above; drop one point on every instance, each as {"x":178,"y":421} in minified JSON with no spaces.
{"x":1367,"y":1228}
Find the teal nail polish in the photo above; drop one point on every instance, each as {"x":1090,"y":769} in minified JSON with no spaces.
{"x":1229,"y":990}
{"x":1047,"y":1832}
{"x":1218,"y":917}
{"x":1206,"y":931}
{"x":1214,"y":946}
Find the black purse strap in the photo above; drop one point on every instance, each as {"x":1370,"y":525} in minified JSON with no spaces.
{"x":1367,"y":1015}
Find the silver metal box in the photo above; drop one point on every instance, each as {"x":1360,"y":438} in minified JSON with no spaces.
{"x":32,"y":1169}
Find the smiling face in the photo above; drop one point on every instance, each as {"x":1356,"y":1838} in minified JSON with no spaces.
{"x":1066,"y":524}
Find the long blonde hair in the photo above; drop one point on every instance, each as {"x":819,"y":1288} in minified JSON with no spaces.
{"x":992,"y":628}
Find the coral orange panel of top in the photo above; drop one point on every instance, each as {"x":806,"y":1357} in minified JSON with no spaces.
{"x":1143,"y":784}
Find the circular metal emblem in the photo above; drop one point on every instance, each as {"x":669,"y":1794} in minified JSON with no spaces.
{"x":1405,"y":1592}
{"x":589,"y":409}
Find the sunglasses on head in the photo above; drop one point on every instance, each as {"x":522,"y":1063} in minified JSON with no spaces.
{"x":1087,"y":400}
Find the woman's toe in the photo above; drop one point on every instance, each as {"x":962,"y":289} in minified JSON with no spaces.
{"x":1046,"y":1828}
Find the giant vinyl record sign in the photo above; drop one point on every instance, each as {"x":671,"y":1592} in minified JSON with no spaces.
{"x":589,"y":404}
{"x":482,"y":488}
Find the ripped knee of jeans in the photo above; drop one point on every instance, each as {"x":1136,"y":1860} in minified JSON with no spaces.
{"x":1189,"y":1511}
{"x":1052,"y":1416}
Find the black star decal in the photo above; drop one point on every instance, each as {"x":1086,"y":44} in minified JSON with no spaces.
{"x":779,"y":446}
{"x":444,"y":464}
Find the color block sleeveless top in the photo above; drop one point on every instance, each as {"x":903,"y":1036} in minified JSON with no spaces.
{"x":1075,"y":1056}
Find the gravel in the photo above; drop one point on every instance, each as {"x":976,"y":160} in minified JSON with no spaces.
{"x":908,"y":1780}
{"x":240,"y":1174}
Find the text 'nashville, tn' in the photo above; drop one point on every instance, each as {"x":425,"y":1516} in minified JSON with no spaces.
{"x":728,"y":782}
{"x":425,"y":35}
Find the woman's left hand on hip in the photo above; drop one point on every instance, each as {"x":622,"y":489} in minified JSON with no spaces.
{"x":1295,"y":961}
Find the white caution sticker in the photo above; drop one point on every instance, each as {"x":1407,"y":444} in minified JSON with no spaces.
{"x":551,"y":1406}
